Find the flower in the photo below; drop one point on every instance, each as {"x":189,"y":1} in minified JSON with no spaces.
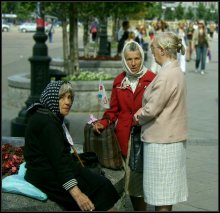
{"x":12,"y":157}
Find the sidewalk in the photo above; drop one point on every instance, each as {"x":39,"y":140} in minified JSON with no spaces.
{"x":202,"y":154}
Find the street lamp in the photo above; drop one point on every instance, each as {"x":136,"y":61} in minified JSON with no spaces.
{"x":104,"y":45}
{"x":39,"y":73}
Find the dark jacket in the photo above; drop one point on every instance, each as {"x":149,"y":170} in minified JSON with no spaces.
{"x":47,"y":154}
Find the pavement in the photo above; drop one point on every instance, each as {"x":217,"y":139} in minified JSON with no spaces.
{"x":202,"y":100}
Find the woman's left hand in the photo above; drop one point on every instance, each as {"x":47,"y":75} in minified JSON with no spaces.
{"x":136,"y":116}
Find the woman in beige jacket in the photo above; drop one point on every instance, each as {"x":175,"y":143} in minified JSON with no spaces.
{"x":164,"y":127}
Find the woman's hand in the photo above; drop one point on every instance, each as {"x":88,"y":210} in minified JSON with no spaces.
{"x":97,"y":127}
{"x":136,"y":116}
{"x":84,"y":203}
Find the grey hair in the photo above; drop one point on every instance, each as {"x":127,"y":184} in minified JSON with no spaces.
{"x":171,"y":43}
{"x":66,"y":87}
{"x":132,"y":47}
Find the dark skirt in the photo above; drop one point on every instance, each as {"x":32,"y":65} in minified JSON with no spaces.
{"x":97,"y":187}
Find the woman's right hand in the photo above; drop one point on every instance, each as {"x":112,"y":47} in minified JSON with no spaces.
{"x":97,"y":127}
{"x":83,"y":201}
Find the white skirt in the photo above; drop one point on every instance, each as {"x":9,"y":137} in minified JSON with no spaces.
{"x":165,"y":181}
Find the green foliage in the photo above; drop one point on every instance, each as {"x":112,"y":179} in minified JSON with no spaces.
{"x":201,"y":11}
{"x":190,"y":14}
{"x":88,"y":76}
{"x":23,"y":10}
{"x":153,"y":10}
{"x":179,"y":11}
{"x":121,"y":10}
{"x":57,"y":9}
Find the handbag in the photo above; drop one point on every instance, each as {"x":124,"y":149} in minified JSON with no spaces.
{"x":90,"y":161}
{"x":105,"y":145}
{"x":136,"y":150}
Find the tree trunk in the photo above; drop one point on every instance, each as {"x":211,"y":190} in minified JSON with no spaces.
{"x":86,"y":37}
{"x":71,"y":58}
{"x":117,"y":21}
{"x":114,"y":28}
{"x":73,"y":40}
{"x":65,"y":47}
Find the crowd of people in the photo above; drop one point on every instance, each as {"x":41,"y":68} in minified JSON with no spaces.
{"x":196,"y":37}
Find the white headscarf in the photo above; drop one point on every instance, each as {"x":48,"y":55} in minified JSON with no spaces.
{"x":131,"y":79}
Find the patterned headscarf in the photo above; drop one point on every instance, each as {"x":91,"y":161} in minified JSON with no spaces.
{"x":50,"y":96}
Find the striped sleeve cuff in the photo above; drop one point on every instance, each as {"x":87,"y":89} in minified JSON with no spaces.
{"x":69,"y":184}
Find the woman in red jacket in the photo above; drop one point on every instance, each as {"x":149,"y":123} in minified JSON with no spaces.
{"x":126,"y":99}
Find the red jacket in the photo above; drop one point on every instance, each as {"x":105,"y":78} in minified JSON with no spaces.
{"x":123,"y":105}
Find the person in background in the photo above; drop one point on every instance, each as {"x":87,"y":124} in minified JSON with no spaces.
{"x":94,"y":29}
{"x":131,"y":36}
{"x":163,"y":120}
{"x":140,"y":32}
{"x":200,"y":42}
{"x":181,"y":34}
{"x":51,"y":166}
{"x":160,"y":26}
{"x":51,"y":32}
{"x":212,"y":29}
{"x":189,"y":34}
{"x":122,"y":36}
{"x":128,"y":88}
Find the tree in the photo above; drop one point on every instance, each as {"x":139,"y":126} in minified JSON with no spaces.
{"x":179,"y":11}
{"x":153,"y":10}
{"x":189,"y":15}
{"x":23,"y":10}
{"x":86,"y":12}
{"x":201,"y":11}
{"x":211,"y":14}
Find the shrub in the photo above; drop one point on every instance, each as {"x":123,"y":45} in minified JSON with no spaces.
{"x":88,"y":76}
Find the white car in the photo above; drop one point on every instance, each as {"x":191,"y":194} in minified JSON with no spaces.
{"x":5,"y":27}
{"x":29,"y":27}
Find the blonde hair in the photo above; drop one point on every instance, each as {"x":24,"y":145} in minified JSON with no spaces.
{"x":170,"y":42}
{"x":131,"y":35}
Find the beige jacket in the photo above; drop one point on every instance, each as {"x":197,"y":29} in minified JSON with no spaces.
{"x":195,"y":39}
{"x":164,"y":113}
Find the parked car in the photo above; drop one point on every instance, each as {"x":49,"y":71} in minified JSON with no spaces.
{"x":29,"y":27}
{"x":5,"y":27}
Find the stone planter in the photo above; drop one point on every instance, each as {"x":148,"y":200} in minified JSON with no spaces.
{"x":85,"y":93}
{"x":113,"y":67}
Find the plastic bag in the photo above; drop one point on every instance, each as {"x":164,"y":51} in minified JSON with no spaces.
{"x":207,"y":59}
{"x":16,"y":184}
{"x":22,"y":170}
{"x":209,"y":55}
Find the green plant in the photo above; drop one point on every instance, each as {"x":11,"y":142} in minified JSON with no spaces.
{"x":88,"y":76}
